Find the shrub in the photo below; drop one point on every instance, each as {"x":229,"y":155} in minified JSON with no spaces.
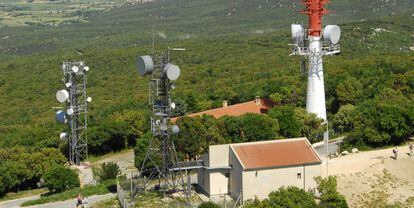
{"x":330,"y":197}
{"x":59,"y":178}
{"x":106,"y":171}
{"x":208,"y":205}
{"x":292,"y":197}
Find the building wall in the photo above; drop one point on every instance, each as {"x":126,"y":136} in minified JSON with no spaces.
{"x":212,"y":179}
{"x":259,"y":183}
{"x":219,"y":182}
{"x":203,"y":177}
{"x":218,"y":155}
{"x":235,"y":179}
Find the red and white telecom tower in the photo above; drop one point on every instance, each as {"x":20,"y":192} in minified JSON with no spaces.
{"x":313,"y":43}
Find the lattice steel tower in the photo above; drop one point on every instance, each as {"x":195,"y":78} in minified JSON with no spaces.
{"x":76,"y":109}
{"x":161,"y":159}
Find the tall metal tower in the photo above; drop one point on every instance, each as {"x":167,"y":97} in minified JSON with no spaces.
{"x":75,"y":111}
{"x":313,"y":43}
{"x":161,"y":161}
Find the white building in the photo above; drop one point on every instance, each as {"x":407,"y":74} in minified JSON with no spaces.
{"x":255,"y":169}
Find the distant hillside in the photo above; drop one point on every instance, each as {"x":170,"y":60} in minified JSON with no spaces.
{"x":186,"y":19}
{"x":243,"y":67}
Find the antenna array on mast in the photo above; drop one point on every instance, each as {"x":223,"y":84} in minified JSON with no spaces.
{"x":161,"y":161}
{"x":313,"y":43}
{"x":75,"y":111}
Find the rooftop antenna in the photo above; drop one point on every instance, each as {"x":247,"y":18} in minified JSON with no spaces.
{"x":161,"y":161}
{"x":74,"y":112}
{"x":313,"y":43}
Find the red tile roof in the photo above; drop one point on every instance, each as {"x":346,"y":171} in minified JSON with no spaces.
{"x":235,"y":110}
{"x":276,"y":153}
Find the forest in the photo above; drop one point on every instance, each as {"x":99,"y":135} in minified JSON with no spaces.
{"x":369,"y":93}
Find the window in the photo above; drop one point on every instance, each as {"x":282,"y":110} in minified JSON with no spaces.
{"x":227,"y":175}
{"x":256,"y":174}
{"x":299,"y":175}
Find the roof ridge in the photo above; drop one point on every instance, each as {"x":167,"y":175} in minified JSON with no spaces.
{"x":270,"y":141}
{"x":219,"y":108}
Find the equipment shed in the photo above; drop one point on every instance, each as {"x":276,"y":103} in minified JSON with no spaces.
{"x":254,"y":169}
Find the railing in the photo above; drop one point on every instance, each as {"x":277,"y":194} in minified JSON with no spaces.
{"x":304,"y":50}
{"x":190,"y":163}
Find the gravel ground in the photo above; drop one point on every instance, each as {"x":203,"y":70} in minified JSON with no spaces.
{"x":370,"y":178}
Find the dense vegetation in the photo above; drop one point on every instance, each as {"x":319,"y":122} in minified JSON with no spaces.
{"x":58,"y":179}
{"x":369,"y":86}
{"x":197,"y":133}
{"x":293,"y":197}
{"x":22,"y":167}
{"x":208,"y":205}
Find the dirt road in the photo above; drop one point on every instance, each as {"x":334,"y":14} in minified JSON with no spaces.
{"x":17,"y":202}
{"x":368,"y":179}
{"x":62,"y":204}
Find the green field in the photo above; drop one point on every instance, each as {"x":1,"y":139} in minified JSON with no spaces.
{"x":15,"y":13}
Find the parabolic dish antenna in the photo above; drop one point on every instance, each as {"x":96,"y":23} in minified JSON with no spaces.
{"x":63,"y":135}
{"x":70,"y":111}
{"x":89,"y":99}
{"x":62,"y":95}
{"x":68,"y":84}
{"x":86,"y":68}
{"x":75,"y":69}
{"x":173,"y":105}
{"x":61,"y":116}
{"x":172,"y":71}
{"x":175,"y":129}
{"x":145,"y":65}
{"x":332,"y":33}
{"x":297,"y":31}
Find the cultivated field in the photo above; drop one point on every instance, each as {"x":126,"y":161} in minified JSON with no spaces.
{"x":374,"y":179}
{"x":52,"y":12}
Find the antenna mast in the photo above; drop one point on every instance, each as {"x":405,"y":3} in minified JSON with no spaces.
{"x":75,"y":111}
{"x":313,"y":43}
{"x":161,"y":161}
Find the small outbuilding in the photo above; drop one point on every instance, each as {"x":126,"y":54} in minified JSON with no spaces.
{"x":248,"y":170}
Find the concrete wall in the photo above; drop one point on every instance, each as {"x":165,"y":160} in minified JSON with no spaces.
{"x":218,"y":155}
{"x":203,"y":177}
{"x":214,"y":181}
{"x":219,"y":182}
{"x":236,"y":174}
{"x":259,"y":183}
